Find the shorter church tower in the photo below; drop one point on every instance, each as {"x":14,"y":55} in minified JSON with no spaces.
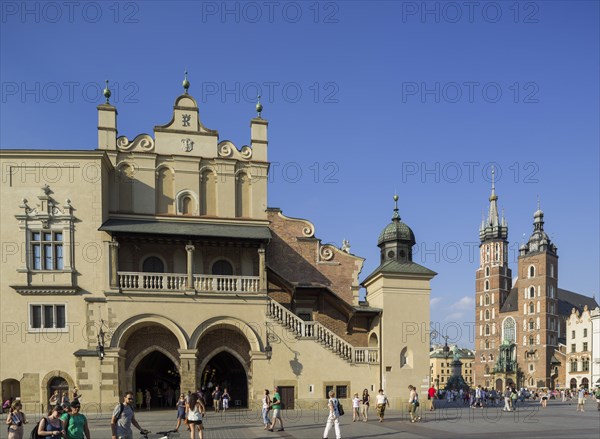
{"x":538,"y":287}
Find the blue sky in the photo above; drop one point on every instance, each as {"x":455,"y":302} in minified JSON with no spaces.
{"x":364,"y":99}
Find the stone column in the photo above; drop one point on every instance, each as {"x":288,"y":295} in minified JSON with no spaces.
{"x":114,"y":263}
{"x":189,"y":248}
{"x":187,"y":369}
{"x":262,"y":269}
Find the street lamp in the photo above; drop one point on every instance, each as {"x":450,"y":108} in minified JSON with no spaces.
{"x":100,"y":346}
{"x":268,"y":347}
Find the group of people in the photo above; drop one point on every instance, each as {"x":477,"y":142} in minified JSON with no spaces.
{"x":61,"y":422}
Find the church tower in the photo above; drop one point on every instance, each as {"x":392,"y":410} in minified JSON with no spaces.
{"x":537,"y":287}
{"x":492,"y":285}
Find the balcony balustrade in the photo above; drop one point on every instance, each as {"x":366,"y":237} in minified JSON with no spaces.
{"x":202,"y":283}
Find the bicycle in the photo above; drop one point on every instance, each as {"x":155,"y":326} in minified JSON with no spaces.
{"x":162,"y":434}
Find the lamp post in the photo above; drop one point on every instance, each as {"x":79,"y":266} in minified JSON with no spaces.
{"x":268,"y":347}
{"x":100,"y":346}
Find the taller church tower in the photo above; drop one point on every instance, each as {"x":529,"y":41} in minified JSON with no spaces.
{"x":492,"y":286}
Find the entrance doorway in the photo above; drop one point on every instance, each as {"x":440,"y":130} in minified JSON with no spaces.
{"x":226,"y":371}
{"x":287,"y":397}
{"x":11,"y":388}
{"x":499,"y":385}
{"x":157,"y":373}
{"x":60,"y":384}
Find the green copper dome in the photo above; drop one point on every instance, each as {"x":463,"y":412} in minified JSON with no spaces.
{"x":396,"y":231}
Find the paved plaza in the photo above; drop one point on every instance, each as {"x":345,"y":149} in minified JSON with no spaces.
{"x":558,"y":420}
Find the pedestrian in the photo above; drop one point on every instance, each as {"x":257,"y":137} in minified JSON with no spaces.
{"x":148,"y":397}
{"x":65,"y":400}
{"x":581,"y":399}
{"x":355,"y":408}
{"x":382,"y":403}
{"x":216,"y":396}
{"x":413,"y":403}
{"x":544,"y":400}
{"x":276,"y":410}
{"x":334,"y":416}
{"x":139,"y":398}
{"x":15,"y":420}
{"x":507,"y":400}
{"x":181,"y":403}
{"x":54,"y":399}
{"x":225,"y":399}
{"x":266,"y":406}
{"x":513,"y":398}
{"x":52,"y":426}
{"x":76,"y":395}
{"x":597,"y":395}
{"x":123,"y":417}
{"x":431,"y":397}
{"x":366,"y":401}
{"x":195,"y":410}
{"x":76,"y":425}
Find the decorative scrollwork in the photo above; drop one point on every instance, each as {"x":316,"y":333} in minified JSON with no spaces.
{"x":326,"y":252}
{"x":225,"y":150}
{"x":308,"y":231}
{"x":144,"y":141}
{"x":246,"y":152}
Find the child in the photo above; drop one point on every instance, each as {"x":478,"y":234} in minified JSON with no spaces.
{"x":355,"y":408}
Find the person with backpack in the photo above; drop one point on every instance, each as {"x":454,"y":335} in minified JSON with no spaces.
{"x":334,"y":416}
{"x":52,"y":425}
{"x":15,"y":421}
{"x":413,"y":403}
{"x":76,"y":425}
{"x":122,"y":418}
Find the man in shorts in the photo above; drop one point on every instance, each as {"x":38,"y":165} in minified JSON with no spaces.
{"x":581,"y":399}
{"x":216,"y":396}
{"x":276,"y":409}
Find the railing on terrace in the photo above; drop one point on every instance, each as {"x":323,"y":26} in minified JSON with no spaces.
{"x":131,"y":281}
{"x":321,"y":334}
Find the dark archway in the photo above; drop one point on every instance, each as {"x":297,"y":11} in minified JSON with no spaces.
{"x":60,"y":384}
{"x":11,"y":388}
{"x":226,"y":371}
{"x":585,"y":383}
{"x":153,"y":265}
{"x":157,"y":373}
{"x":573,"y":384}
{"x":499,"y":385}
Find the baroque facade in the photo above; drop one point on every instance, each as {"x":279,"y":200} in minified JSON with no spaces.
{"x":440,"y":365}
{"x":519,"y":326}
{"x":156,"y":263}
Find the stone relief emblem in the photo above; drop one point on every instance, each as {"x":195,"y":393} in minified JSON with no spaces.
{"x":185,"y":120}
{"x":188,"y":144}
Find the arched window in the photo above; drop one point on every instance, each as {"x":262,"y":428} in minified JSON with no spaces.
{"x":491,"y":357}
{"x":487,"y":329}
{"x":222,"y":267}
{"x":153,"y":265}
{"x":509,"y":330}
{"x":487,"y":299}
{"x":242,"y":195}
{"x":125,"y":179}
{"x":531,"y":325}
{"x":531,"y":271}
{"x":208,"y":193}
{"x":551,"y":270}
{"x":531,"y":292}
{"x":531,"y":308}
{"x":164,"y":191}
{"x":487,"y":271}
{"x":487,"y":285}
{"x":487,"y":369}
{"x":373,"y":342}
{"x":487,"y":344}
{"x":497,"y":252}
{"x":404,"y":357}
{"x":187,"y":205}
{"x":531,"y":342}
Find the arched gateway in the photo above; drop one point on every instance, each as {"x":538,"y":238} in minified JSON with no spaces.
{"x":156,"y":354}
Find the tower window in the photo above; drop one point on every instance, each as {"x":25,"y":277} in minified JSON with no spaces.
{"x":487,"y":271}
{"x":487,"y":285}
{"x":532,"y":271}
{"x":531,"y":292}
{"x":486,"y":300}
{"x":531,"y":308}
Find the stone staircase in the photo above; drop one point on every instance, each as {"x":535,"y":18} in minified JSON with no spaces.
{"x":315,"y":331}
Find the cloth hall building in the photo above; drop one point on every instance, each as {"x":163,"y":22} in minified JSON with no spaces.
{"x":520,"y":326}
{"x":155,"y":263}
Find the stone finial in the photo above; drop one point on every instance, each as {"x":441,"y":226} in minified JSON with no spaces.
{"x":106,"y":92}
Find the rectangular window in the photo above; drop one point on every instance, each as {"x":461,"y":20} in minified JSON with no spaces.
{"x":573,"y":347}
{"x":47,"y":317}
{"x":585,"y":346}
{"x":341,"y":392}
{"x":585,"y":332}
{"x":47,"y":250}
{"x":572,"y":334}
{"x":327,"y":390}
{"x":585,"y":366}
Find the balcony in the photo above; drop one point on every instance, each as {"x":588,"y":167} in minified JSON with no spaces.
{"x":202,"y":283}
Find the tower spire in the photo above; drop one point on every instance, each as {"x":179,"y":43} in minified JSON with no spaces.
{"x":493,"y":219}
